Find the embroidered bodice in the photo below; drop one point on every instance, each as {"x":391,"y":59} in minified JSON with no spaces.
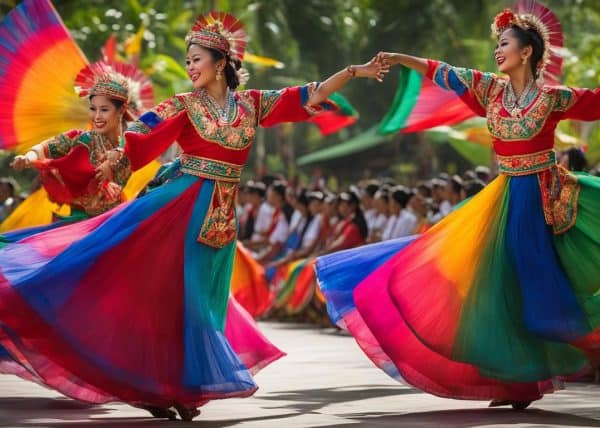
{"x":523,"y":132}
{"x":215,"y":142}
{"x":196,"y":125}
{"x":95,"y":199}
{"x":519,"y":131}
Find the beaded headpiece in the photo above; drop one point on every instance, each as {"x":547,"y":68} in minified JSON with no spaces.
{"x":529,"y":14}
{"x":118,"y":81}
{"x":220,"y":31}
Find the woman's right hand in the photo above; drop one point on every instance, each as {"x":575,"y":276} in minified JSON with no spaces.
{"x":21,"y":162}
{"x":388,"y":58}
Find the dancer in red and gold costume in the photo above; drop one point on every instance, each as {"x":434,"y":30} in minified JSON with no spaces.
{"x":499,"y":300}
{"x":131,"y":305}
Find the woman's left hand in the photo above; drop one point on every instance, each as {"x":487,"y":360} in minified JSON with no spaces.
{"x":104,"y":171}
{"x":373,"y":69}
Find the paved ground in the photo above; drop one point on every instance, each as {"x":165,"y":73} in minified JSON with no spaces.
{"x":325,"y":381}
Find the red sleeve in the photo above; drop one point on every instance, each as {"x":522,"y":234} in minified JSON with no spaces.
{"x":154,"y":132}
{"x":578,"y":103}
{"x":474,"y":87}
{"x":287,"y":105}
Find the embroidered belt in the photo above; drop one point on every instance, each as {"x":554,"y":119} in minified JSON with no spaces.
{"x":526,"y":164}
{"x":211,"y":168}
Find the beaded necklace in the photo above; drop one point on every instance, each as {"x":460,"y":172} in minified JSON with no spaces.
{"x":515,"y":105}
{"x":225,"y":115}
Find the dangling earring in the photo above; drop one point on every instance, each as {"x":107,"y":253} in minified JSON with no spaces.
{"x":120,"y":131}
{"x":524,"y":61}
{"x":219,"y":74}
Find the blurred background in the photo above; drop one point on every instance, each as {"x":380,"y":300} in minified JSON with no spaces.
{"x":295,"y":42}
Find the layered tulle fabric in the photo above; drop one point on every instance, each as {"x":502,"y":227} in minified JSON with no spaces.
{"x":128,"y":306}
{"x":249,"y":284}
{"x":488,"y":304}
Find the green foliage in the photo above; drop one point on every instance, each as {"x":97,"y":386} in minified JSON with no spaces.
{"x":315,"y":38}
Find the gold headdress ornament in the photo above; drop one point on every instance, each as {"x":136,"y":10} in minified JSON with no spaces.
{"x":220,"y":31}
{"x":529,"y":14}
{"x":118,"y":81}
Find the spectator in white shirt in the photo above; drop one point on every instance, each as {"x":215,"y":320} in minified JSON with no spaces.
{"x":277,"y":233}
{"x":255,"y":193}
{"x":382,"y":206}
{"x":367,"y":201}
{"x":407,"y":218}
{"x":454,"y":189}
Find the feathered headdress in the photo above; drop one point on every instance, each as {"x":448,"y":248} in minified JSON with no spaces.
{"x":118,"y":81}
{"x":529,"y":14}
{"x":220,"y":31}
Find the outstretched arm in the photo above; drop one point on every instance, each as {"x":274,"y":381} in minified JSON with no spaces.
{"x":53,"y":148}
{"x":474,"y":87}
{"x":389,"y":58}
{"x":373,"y":69}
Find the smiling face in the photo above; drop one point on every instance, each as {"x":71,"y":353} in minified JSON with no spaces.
{"x":201,"y":66}
{"x":509,"y":54}
{"x":104,"y":115}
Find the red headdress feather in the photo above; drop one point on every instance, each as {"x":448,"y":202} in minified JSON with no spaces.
{"x":117,"y":80}
{"x":221,"y":31}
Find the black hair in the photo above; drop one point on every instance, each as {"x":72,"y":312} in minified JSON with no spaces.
{"x":256,"y":187}
{"x":231,"y":65}
{"x":302,"y":197}
{"x":457,"y":184}
{"x":10,"y":186}
{"x":425,"y":189}
{"x":401,"y":195}
{"x":577,"y":161}
{"x":351,"y":198}
{"x":472,"y":187}
{"x":279,"y":187}
{"x":530,"y":37}
{"x":383,"y":193}
{"x":371,"y":189}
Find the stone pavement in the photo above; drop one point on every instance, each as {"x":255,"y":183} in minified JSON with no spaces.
{"x":325,"y":381}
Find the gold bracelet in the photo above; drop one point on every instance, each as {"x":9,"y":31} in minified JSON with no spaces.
{"x":352,"y":71}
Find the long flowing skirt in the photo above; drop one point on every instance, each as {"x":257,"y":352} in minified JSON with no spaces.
{"x":128,"y":306}
{"x":488,"y":304}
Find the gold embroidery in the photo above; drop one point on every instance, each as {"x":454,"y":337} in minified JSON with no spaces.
{"x":235,"y":137}
{"x":565,"y":98}
{"x":528,"y":125}
{"x":560,"y":197}
{"x":268,"y":99}
{"x":168,"y":108}
{"x":524,"y":127}
{"x":210,"y":168}
{"x":530,"y":163}
{"x":219,"y":226}
{"x":486,"y":89}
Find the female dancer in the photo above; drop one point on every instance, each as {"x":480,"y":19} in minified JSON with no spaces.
{"x":130,"y":305}
{"x":111,"y":104}
{"x":502,"y":297}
